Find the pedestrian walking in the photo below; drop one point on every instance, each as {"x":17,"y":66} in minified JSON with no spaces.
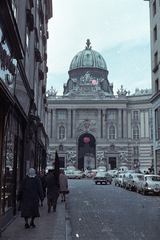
{"x":42,"y":179}
{"x":52,"y":185}
{"x":63,"y":181}
{"x":29,"y":193}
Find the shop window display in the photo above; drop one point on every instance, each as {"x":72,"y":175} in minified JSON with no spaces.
{"x":7,"y":178}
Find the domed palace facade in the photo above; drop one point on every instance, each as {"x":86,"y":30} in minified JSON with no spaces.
{"x":89,"y":126}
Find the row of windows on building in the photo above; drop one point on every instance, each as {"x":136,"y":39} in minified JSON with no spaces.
{"x":111,"y":115}
{"x":111,"y":132}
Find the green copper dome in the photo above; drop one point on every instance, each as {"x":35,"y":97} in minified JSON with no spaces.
{"x":88,"y":58}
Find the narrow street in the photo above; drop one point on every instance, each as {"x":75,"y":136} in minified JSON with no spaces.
{"x":100,"y":212}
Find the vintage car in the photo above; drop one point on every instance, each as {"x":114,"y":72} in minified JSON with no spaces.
{"x":149,"y":183}
{"x":102,"y":177}
{"x":74,"y":174}
{"x":112,"y":172}
{"x":131,"y":180}
{"x":119,"y":179}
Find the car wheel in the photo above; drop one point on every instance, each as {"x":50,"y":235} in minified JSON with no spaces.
{"x":96,"y":183}
{"x":110,"y":182}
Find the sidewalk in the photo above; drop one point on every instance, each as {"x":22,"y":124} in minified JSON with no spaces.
{"x":49,"y":226}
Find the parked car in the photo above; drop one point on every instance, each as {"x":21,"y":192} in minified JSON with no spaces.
{"x":112,"y":172}
{"x":79,"y":174}
{"x":102,"y":177}
{"x":119,"y":179}
{"x":74,"y":174}
{"x":131,"y":180}
{"x":149,"y":183}
{"x":101,"y":169}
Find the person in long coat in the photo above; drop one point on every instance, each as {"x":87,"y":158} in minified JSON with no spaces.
{"x":29,"y":193}
{"x":52,"y":185}
{"x":63,"y":181}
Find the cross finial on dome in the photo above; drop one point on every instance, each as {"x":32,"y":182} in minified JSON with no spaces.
{"x":88,"y":43}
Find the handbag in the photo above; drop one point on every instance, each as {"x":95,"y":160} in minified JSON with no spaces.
{"x":67,"y":192}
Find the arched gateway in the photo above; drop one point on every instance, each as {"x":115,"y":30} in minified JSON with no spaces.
{"x":86,"y":151}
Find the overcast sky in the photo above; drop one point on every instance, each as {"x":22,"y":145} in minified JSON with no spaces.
{"x":118,"y":29}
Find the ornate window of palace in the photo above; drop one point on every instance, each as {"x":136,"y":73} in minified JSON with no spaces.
{"x":62,"y":132}
{"x":112,"y":132}
{"x":111,"y":115}
{"x":135,"y":115}
{"x":135,"y":132}
{"x":135,"y":150}
{"x":62,"y":115}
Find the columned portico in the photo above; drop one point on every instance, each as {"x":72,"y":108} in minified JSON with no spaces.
{"x":69,"y":123}
{"x":120,"y":123}
{"x":49,"y":123}
{"x":142,"y":123}
{"x":74,"y":123}
{"x":124,"y":123}
{"x":99,"y":123}
{"x":54,"y":123}
{"x":104,"y":123}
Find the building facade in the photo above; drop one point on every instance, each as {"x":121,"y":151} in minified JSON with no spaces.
{"x":154,"y":7}
{"x":89,"y":126}
{"x":23,"y":74}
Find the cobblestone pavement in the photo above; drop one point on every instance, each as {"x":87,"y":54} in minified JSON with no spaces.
{"x":49,"y":226}
{"x":106,"y":212}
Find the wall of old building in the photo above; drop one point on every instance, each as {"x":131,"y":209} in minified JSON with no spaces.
{"x":23,"y":73}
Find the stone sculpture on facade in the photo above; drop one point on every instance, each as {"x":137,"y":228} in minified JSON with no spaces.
{"x":122,"y":92}
{"x":122,"y":158}
{"x":86,"y":124}
{"x":71,"y":159}
{"x":101,"y":159}
{"x":86,"y":79}
{"x":51,"y":93}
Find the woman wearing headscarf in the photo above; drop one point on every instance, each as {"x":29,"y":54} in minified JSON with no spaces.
{"x":29,"y":193}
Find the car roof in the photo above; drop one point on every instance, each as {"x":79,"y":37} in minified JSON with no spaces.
{"x":151,"y":175}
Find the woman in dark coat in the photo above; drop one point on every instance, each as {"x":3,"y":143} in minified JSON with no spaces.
{"x":52,"y":186}
{"x":29,"y":194}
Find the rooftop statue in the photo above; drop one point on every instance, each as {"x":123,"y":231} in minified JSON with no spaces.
{"x":122,"y":92}
{"x":51,"y":93}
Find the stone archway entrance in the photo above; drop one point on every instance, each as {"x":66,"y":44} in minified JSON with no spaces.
{"x":86,"y":151}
